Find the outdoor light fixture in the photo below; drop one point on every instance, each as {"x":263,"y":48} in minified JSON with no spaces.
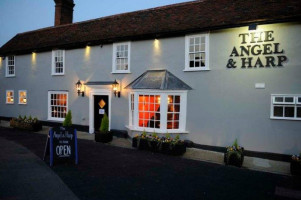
{"x":252,"y":27}
{"x":115,"y":89}
{"x":79,"y":87}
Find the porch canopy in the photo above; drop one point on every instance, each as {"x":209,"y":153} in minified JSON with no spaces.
{"x":158,"y":80}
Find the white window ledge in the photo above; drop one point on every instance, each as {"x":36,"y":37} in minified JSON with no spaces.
{"x":121,"y":72}
{"x":10,"y":76}
{"x":55,"y":120}
{"x":150,"y":130}
{"x":195,"y":70}
{"x":286,"y":118}
{"x":57,"y":74}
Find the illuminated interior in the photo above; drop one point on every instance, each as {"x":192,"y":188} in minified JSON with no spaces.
{"x":173,"y":112}
{"x":149,"y":111}
{"x":58,"y":105}
{"x":22,"y":97}
{"x":9,"y":97}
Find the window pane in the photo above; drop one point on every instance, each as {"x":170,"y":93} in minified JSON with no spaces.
{"x":278,"y":111}
{"x":299,"y":112}
{"x":289,"y":112}
{"x":278,"y":99}
{"x":289,"y":99}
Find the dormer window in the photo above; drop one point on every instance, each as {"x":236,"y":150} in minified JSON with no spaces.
{"x":121,"y":57}
{"x":58,"y":62}
{"x":10,"y":66}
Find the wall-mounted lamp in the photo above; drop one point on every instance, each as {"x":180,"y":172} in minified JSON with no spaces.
{"x":252,"y":27}
{"x":115,"y":89}
{"x":79,"y":88}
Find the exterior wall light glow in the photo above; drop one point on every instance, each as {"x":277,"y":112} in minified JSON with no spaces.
{"x":115,"y":89}
{"x":79,"y":87}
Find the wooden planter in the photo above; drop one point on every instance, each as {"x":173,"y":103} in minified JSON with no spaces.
{"x":295,"y":167}
{"x":26,"y":126}
{"x":165,"y":148}
{"x":234,"y":158}
{"x":103,"y":137}
{"x":143,"y":144}
{"x":135,"y":142}
{"x":153,"y":145}
{"x":178,"y":149}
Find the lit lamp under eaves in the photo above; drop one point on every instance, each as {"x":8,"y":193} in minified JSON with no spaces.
{"x":115,"y":89}
{"x":79,"y":88}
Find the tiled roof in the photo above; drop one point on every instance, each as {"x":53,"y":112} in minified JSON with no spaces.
{"x":177,"y":19}
{"x":158,"y":80}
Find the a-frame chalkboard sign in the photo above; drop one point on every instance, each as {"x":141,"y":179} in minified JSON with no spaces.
{"x":61,"y":145}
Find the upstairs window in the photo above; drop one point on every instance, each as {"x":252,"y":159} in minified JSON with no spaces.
{"x":121,"y":57}
{"x":197,"y":52}
{"x":286,"y":107}
{"x":9,"y":96}
{"x":57,"y":105}
{"x":10,"y":66}
{"x":22,"y":97}
{"x":58,"y":62}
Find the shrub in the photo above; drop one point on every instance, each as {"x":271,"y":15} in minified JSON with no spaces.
{"x":234,"y":155}
{"x":26,"y":124}
{"x":104,"y":127}
{"x":68,"y":119}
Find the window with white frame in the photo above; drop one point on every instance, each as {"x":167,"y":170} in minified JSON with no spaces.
{"x":22,"y":97}
{"x":286,"y":107}
{"x":57,"y":105}
{"x":10,"y":66}
{"x":158,"y":111}
{"x":121,"y":57}
{"x":58,"y":62}
{"x":9,"y":96}
{"x":197,"y":52}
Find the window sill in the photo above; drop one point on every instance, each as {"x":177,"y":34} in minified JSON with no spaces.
{"x":195,"y":70}
{"x":121,"y":72}
{"x":22,"y":103}
{"x":9,"y":103}
{"x":287,"y":118}
{"x":150,"y":130}
{"x":57,"y":74}
{"x":55,"y":120}
{"x":10,"y":76}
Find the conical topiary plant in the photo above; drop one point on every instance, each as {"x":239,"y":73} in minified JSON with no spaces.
{"x":104,"y":127}
{"x":68,"y":119}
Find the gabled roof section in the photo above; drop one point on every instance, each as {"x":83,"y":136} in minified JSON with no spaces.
{"x":158,"y":80}
{"x":166,"y":21}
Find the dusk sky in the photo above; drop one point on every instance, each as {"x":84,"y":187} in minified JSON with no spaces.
{"x":17,"y":16}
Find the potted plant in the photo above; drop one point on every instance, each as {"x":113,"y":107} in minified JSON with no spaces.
{"x":296,"y":165}
{"x":153,"y":141}
{"x":142,"y":141}
{"x":26,"y":123}
{"x":135,"y":140}
{"x":68,"y":119}
{"x":104,"y":135}
{"x":165,"y":144}
{"x":178,"y":146}
{"x":234,"y":155}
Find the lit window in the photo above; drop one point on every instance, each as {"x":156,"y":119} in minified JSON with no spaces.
{"x":161,"y":111}
{"x":57,"y":105}
{"x":286,"y":107}
{"x":121,"y":57}
{"x":197,"y":50}
{"x":10,"y":66}
{"x":9,"y":96}
{"x":58,"y":62}
{"x":22,"y":97}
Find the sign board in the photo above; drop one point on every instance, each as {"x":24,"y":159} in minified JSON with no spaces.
{"x":101,"y":111}
{"x":61,"y":145}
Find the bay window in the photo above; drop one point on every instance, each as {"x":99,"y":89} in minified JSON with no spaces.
{"x":159,"y":111}
{"x":57,"y":105}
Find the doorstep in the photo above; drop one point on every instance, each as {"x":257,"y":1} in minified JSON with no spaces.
{"x":252,"y":163}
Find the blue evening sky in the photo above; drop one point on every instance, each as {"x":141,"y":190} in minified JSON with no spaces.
{"x":17,"y":16}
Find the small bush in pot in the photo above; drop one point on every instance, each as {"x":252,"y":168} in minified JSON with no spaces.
{"x":153,"y":142}
{"x":104,"y":135}
{"x":234,"y":155}
{"x":295,"y":165}
{"x":165,"y":144}
{"x":68,"y":119}
{"x":135,"y":140}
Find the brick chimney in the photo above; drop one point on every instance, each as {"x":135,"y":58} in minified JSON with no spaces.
{"x":63,"y":12}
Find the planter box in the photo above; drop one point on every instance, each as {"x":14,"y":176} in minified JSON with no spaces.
{"x":135,"y":142}
{"x":178,"y":149}
{"x":295,"y":168}
{"x":143,"y":144}
{"x":103,"y":137}
{"x":165,"y":148}
{"x":153,"y":146}
{"x":26,"y":126}
{"x":234,"y":158}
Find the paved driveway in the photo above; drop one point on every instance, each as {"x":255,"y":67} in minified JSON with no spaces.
{"x":107,"y":172}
